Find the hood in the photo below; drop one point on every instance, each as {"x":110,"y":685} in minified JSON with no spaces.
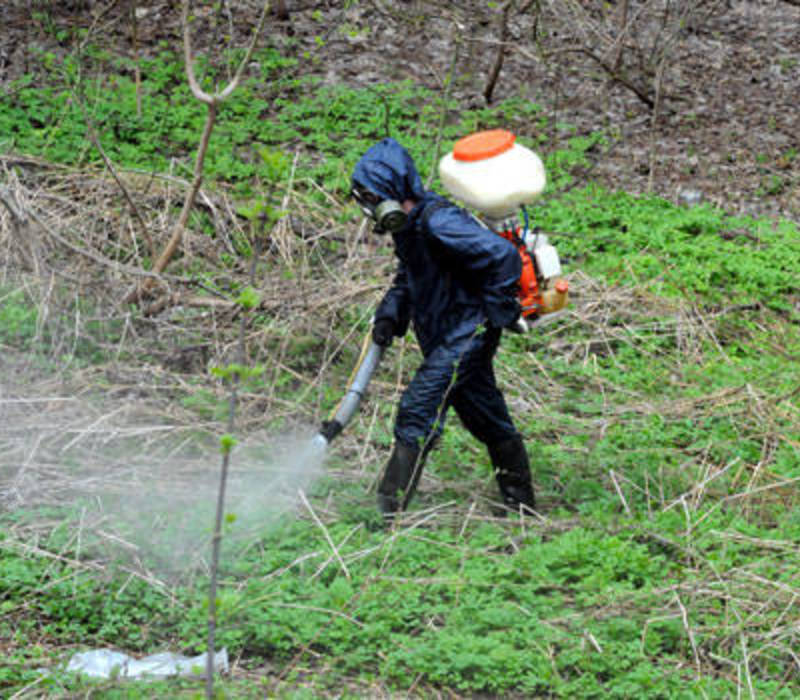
{"x":388,"y":170}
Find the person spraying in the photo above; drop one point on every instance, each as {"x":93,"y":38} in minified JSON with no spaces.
{"x":457,"y":285}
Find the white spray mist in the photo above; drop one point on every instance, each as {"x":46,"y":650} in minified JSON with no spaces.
{"x":141,"y":492}
{"x":169,"y":515}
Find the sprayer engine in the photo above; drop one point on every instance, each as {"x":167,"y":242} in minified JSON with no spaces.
{"x":541,"y":289}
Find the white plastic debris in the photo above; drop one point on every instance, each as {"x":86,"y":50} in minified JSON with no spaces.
{"x":107,"y":663}
{"x":690,"y":198}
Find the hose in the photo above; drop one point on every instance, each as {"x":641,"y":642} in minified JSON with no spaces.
{"x":360,"y":377}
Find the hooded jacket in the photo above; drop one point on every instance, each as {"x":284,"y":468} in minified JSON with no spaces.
{"x":454,"y":273}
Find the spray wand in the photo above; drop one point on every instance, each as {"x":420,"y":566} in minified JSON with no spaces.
{"x":368,"y":361}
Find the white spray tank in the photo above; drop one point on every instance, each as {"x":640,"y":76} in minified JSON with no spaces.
{"x":494,"y":175}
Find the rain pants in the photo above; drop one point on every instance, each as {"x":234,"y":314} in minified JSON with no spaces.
{"x":457,"y":285}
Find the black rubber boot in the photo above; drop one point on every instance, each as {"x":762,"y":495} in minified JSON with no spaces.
{"x":400,"y":478}
{"x":513,"y":473}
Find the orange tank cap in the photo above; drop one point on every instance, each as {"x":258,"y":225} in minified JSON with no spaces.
{"x":483,"y":144}
{"x":562,"y":286}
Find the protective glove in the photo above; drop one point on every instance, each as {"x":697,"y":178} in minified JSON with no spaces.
{"x":383,"y":332}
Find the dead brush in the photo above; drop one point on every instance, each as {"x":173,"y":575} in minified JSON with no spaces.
{"x":739,"y":618}
{"x":317,"y":282}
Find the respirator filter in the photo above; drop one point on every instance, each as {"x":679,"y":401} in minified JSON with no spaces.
{"x":390,"y":217}
{"x":388,"y":214}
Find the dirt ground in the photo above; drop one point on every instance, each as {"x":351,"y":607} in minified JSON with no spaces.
{"x":718,"y":81}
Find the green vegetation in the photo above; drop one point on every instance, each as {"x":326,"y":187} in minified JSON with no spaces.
{"x":577,"y":613}
{"x":332,"y":124}
{"x":700,"y":253}
{"x":18,"y":318}
{"x":662,"y":419}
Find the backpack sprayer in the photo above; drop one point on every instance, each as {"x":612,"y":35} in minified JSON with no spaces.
{"x":496,"y":176}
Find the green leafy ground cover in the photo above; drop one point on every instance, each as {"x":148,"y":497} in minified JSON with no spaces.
{"x":332,"y":124}
{"x":661,"y":417}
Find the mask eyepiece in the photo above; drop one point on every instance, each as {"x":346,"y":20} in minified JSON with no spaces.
{"x":366,"y":199}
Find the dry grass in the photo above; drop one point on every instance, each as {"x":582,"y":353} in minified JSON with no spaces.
{"x":78,"y":432}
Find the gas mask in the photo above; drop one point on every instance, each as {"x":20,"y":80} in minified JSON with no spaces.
{"x":388,"y":214}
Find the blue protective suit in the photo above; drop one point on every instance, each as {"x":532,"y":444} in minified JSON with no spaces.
{"x":457,"y":284}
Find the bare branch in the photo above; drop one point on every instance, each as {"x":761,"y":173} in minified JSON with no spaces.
{"x":445,"y":96}
{"x":623,"y":28}
{"x":501,"y":53}
{"x":617,"y":76}
{"x":9,"y":200}
{"x":197,"y":91}
{"x":654,"y":125}
{"x":134,"y":209}
{"x":212,"y":102}
{"x":136,"y":68}
{"x":21,"y":229}
{"x":188,"y":202}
